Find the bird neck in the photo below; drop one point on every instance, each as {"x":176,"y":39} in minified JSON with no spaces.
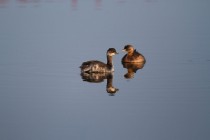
{"x":109,"y":60}
{"x":130,"y":53}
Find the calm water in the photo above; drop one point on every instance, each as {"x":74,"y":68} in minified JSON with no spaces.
{"x":43,"y":96}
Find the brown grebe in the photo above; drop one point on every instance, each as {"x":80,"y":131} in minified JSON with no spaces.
{"x":132,"y":55}
{"x":95,"y":66}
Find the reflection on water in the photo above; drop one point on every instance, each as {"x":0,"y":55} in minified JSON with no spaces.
{"x":98,"y":78}
{"x":132,"y":68}
{"x":42,"y":95}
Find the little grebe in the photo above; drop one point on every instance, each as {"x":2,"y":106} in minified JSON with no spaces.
{"x":132,"y":55}
{"x":98,"y":66}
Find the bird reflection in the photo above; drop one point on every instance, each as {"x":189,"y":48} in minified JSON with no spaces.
{"x":132,"y":68}
{"x":98,"y":78}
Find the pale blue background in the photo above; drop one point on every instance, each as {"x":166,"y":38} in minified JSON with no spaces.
{"x":42,"y":96}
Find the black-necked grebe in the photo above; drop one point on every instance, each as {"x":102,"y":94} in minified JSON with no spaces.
{"x":132,"y":55}
{"x":98,"y":66}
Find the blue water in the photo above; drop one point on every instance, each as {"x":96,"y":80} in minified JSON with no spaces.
{"x":43,"y":96}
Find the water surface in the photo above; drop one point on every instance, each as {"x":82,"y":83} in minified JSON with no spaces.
{"x":43,"y":96}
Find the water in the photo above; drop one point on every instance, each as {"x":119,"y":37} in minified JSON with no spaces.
{"x":43,"y":96}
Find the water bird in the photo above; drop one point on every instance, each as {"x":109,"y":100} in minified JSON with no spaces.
{"x":132,"y":55}
{"x":95,"y":66}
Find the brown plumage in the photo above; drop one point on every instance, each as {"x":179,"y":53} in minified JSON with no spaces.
{"x":132,"y":55}
{"x":95,"y":66}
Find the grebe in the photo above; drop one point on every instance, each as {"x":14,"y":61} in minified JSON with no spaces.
{"x":132,"y":55}
{"x":95,"y":66}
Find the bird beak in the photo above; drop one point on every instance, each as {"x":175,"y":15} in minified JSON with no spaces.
{"x":123,"y":50}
